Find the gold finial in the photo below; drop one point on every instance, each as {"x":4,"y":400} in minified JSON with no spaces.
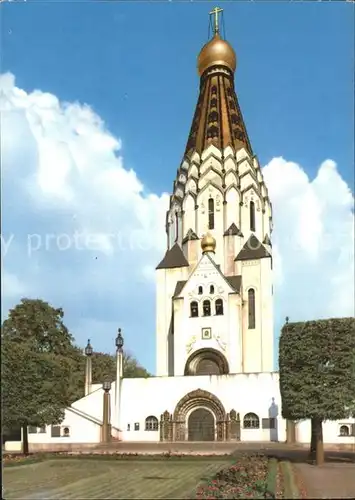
{"x":208,"y":243}
{"x":214,"y":12}
{"x":216,"y":52}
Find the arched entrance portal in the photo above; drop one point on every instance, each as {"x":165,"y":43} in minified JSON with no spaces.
{"x":199,"y":416}
{"x":201,"y":425}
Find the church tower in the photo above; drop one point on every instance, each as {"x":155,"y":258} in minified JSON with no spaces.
{"x":214,"y":284}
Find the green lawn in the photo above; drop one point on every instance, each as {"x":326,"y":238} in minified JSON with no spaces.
{"x":75,"y":479}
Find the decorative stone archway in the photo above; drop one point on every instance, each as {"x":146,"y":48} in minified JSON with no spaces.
{"x":199,"y":399}
{"x":207,"y":362}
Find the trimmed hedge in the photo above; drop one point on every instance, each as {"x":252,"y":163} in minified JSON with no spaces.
{"x":317,"y":369}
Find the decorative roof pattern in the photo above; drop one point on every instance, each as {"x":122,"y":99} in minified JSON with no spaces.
{"x":218,"y":119}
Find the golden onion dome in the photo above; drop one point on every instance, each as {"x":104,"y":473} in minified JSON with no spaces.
{"x":216,"y":52}
{"x":208,"y":243}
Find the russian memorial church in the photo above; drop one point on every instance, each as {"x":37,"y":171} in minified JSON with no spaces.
{"x":215,"y":377}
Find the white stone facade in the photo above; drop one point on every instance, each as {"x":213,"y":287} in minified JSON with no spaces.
{"x":144,"y":398}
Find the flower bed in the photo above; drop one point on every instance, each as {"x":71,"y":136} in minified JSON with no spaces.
{"x":247,"y":478}
{"x":12,"y":459}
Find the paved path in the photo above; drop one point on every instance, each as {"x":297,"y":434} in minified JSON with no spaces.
{"x":331,"y":480}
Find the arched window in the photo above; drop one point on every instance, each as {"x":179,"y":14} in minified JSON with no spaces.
{"x":219,"y":307}
{"x":208,"y":367}
{"x":194,"y":309}
{"x":251,"y":308}
{"x":252,"y":215}
{"x":176,"y":226}
{"x":210,"y":213}
{"x":212,"y":289}
{"x":213,"y":116}
{"x":344,"y":430}
{"x":206,"y":308}
{"x":251,"y":421}
{"x":212,"y":132}
{"x":151,"y":423}
{"x":238,"y":134}
{"x":200,"y":290}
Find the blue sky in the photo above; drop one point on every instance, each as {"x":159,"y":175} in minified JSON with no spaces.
{"x":134,"y":64}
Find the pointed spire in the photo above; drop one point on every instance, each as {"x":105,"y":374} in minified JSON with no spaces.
{"x":218,"y":119}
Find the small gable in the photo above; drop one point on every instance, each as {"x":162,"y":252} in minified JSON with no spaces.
{"x":190,"y":235}
{"x":179,"y":287}
{"x":267,"y":240}
{"x":205,"y":273}
{"x":235,"y":282}
{"x":173,"y":258}
{"x":233,"y":230}
{"x":252,"y":249}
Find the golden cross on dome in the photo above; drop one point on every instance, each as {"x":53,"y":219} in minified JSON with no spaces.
{"x":215,"y":13}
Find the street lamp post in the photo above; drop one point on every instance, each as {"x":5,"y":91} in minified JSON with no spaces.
{"x":119,"y":353}
{"x":119,"y":340}
{"x":119,"y":374}
{"x":88,"y":370}
{"x":106,"y":425}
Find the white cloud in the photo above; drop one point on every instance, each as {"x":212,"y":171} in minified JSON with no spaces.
{"x":12,"y":285}
{"x":87,"y":236}
{"x":314,"y":239}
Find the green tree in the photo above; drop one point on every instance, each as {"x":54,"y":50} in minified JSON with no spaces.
{"x":34,"y":328}
{"x":40,"y":326}
{"x":103,"y":366}
{"x":317,"y":373}
{"x":132,"y":369}
{"x":34,"y":388}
